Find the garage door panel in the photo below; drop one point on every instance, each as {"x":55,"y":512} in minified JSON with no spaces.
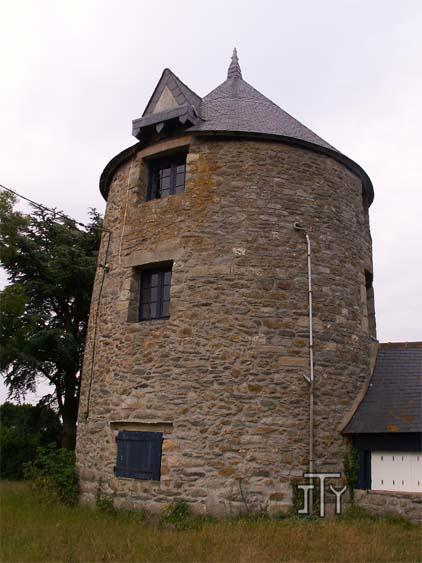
{"x":396,"y":471}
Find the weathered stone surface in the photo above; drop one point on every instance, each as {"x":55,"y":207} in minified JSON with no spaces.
{"x":225,"y":372}
{"x":408,"y":505}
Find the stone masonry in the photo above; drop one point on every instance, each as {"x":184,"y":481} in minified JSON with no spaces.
{"x":407,"y":505}
{"x":223,"y":377}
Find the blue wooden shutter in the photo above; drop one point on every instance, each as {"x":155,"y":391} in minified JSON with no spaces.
{"x":139,"y":455}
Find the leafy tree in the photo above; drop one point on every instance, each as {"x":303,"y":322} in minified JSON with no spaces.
{"x":24,"y":428}
{"x":50,"y":263}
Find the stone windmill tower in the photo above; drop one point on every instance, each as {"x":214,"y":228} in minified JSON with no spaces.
{"x":193,"y":385}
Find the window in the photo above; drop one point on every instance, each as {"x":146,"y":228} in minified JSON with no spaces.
{"x":155,"y":294}
{"x":167,"y":177}
{"x":370,"y":302}
{"x":139,"y":455}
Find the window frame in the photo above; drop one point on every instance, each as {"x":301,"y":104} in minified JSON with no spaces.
{"x":160,"y":271}
{"x":155,"y":165}
{"x":129,"y":439}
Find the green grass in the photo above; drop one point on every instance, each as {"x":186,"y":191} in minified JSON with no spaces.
{"x":36,"y":529}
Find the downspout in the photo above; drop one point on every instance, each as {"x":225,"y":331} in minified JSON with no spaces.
{"x":310,"y":379}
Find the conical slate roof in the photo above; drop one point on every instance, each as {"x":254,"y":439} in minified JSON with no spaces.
{"x":236,"y":106}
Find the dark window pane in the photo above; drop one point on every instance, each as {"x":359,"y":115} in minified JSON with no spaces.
{"x":165,"y":308}
{"x":165,"y":172}
{"x":155,"y":294}
{"x":146,"y":295}
{"x":166,"y":293}
{"x":156,"y":187}
{"x":168,"y":177}
{"x":179,"y":189}
{"x":165,"y":183}
{"x":146,"y":279}
{"x":154,"y":310}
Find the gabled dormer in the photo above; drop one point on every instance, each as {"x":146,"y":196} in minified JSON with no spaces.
{"x":172,"y":105}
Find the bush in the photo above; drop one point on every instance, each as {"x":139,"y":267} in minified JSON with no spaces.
{"x":53,"y":471}
{"x":351,"y":470}
{"x":299,"y":499}
{"x":102,"y":501}
{"x":24,"y":428}
{"x":178,"y":516}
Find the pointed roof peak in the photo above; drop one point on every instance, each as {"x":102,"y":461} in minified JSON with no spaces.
{"x":234,"y":68}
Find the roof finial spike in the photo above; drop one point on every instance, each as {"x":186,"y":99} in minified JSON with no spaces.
{"x":234,"y":68}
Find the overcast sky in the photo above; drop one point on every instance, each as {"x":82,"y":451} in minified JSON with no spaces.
{"x":75,"y":73}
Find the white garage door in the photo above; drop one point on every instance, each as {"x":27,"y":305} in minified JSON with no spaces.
{"x":396,"y":471}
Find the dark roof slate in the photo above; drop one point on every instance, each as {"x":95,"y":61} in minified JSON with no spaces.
{"x":236,"y":106}
{"x":393,"y":400}
{"x":182,"y":93}
{"x":186,"y":110}
{"x":233,"y":108}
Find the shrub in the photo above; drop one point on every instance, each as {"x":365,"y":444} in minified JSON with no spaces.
{"x":53,"y":471}
{"x":102,"y":501}
{"x":24,"y":428}
{"x":299,"y":499}
{"x":351,"y":470}
{"x":177,"y":515}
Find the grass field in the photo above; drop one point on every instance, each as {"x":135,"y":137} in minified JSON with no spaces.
{"x":36,"y":529}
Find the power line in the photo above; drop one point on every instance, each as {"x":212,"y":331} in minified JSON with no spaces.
{"x":53,"y":211}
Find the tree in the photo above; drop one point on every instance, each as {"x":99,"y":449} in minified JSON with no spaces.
{"x":24,"y":428}
{"x":50,"y":263}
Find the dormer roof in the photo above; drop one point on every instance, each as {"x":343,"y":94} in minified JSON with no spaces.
{"x":172,"y":101}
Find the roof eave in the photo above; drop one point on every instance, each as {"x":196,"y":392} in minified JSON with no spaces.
{"x":340,"y":157}
{"x":368,"y":189}
{"x":111,"y":167}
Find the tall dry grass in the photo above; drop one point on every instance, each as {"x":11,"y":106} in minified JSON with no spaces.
{"x":35,"y":529}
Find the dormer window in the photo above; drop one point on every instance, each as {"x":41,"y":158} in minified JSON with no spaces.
{"x":167,"y":176}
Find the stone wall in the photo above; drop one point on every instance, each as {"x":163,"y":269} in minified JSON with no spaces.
{"x":223,"y":377}
{"x":408,"y":505}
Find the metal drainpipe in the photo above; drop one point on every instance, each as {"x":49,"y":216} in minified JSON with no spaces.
{"x":310,"y":379}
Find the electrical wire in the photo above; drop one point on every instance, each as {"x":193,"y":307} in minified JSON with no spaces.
{"x":104,"y":268}
{"x":53,"y":211}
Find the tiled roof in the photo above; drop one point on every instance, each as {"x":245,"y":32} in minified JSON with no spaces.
{"x":185,"y":109}
{"x":236,"y":106}
{"x":181,"y":92}
{"x":393,"y":400}
{"x":233,"y":108}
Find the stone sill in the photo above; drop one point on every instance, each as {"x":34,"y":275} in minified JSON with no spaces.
{"x":146,"y":425}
